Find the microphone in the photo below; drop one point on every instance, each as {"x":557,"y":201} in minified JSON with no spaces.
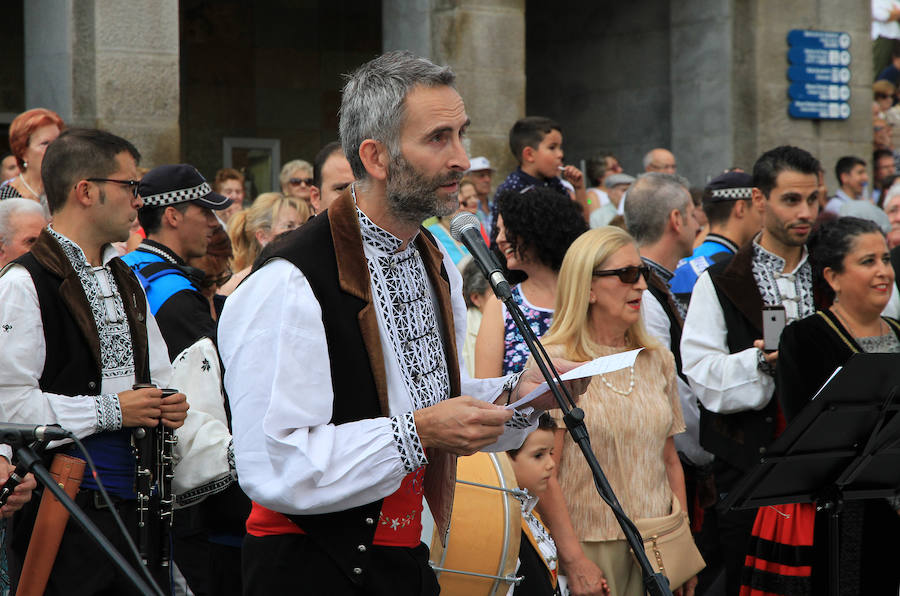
{"x":16,"y":434}
{"x":465,"y":228}
{"x":17,"y":476}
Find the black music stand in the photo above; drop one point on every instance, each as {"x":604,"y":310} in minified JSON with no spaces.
{"x":843,"y":446}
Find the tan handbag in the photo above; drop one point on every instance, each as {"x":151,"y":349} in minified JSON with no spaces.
{"x":670,"y":546}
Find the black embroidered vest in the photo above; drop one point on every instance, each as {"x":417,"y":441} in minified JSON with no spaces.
{"x":738,"y":439}
{"x":72,"y":365}
{"x":328,"y":250}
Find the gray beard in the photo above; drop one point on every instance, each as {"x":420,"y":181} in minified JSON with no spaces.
{"x":413,"y":198}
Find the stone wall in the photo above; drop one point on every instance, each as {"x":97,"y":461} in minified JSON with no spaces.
{"x":108,"y":64}
{"x":268,"y":69}
{"x":602,"y":70}
{"x":768,"y":124}
{"x":484,"y":42}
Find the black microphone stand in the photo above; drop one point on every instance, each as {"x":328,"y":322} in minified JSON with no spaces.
{"x":655,"y":583}
{"x":26,"y":455}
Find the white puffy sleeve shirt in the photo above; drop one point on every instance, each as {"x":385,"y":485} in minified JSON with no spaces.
{"x":289,"y":457}
{"x":23,"y":352}
{"x":723,"y":382}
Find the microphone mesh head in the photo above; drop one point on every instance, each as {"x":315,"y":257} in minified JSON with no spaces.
{"x":461,"y":222}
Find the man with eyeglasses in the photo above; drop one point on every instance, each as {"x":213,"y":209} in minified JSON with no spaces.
{"x":722,"y":350}
{"x":77,"y":336}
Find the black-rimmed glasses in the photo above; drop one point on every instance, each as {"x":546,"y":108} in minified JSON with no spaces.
{"x":626,"y":275}
{"x":132,"y":183}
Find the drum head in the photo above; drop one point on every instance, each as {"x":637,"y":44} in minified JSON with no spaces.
{"x":485,"y":529}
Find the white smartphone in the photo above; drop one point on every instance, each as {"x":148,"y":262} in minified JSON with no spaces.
{"x":773,"y":324}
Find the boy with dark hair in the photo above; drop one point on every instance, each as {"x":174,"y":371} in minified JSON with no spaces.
{"x":536,"y":143}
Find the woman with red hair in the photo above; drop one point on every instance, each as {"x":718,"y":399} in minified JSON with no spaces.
{"x":29,"y":135}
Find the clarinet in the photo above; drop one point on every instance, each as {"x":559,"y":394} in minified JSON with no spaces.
{"x":154,"y":457}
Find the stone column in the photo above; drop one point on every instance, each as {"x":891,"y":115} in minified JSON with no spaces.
{"x":108,"y":64}
{"x":484,"y":42}
{"x":700,"y":72}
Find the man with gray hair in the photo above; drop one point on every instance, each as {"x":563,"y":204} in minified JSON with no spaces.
{"x":342,"y":358}
{"x":21,"y":222}
{"x":660,"y":216}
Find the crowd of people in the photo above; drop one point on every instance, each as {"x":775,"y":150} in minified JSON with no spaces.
{"x":333,"y":349}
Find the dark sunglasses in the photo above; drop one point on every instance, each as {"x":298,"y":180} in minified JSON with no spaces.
{"x":132,"y":183}
{"x":299,"y":181}
{"x":626,"y":275}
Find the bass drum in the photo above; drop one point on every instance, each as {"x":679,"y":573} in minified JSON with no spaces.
{"x":485,"y":529}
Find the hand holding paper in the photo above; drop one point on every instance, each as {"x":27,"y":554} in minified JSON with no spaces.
{"x":539,"y":395}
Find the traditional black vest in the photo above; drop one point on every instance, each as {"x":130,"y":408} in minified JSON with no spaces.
{"x":329,"y":251}
{"x":72,"y":365}
{"x":738,"y":439}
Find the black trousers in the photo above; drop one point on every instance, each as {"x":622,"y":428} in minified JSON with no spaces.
{"x":292,"y":563}
{"x":81,"y":568}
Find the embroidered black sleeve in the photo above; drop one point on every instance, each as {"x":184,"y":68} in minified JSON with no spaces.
{"x":412,"y":454}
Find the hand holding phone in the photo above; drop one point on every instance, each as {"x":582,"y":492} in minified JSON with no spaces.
{"x":774,"y":320}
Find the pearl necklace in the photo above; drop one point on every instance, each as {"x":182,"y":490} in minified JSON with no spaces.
{"x":28,"y":186}
{"x":616,"y":389}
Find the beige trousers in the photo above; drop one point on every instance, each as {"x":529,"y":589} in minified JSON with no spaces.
{"x":614,"y":558}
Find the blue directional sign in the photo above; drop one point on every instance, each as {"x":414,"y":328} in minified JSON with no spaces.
{"x":823,"y":40}
{"x":818,"y":92}
{"x":819,"y":110}
{"x":819,"y":73}
{"x":819,"y":57}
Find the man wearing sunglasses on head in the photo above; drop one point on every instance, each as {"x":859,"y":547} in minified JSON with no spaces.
{"x":722,"y":348}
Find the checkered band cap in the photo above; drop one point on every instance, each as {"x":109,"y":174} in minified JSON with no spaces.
{"x":172,"y":184}
{"x":732,"y":194}
{"x":178,"y":196}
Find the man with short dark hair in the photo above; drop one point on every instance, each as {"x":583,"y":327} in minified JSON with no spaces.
{"x":728,"y":204}
{"x":178,"y":218}
{"x":722,"y":348}
{"x":341,"y":358}
{"x":882,"y":169}
{"x":83,"y":336}
{"x":852,"y":178}
{"x":331,"y":176}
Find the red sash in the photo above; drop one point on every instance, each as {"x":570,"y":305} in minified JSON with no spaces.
{"x":400,"y":522}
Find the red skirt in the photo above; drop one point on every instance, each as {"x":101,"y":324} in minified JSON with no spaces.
{"x":780,"y":553}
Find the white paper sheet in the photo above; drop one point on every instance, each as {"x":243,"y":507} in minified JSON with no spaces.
{"x":601,"y":365}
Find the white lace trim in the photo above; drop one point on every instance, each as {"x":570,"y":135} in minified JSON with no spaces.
{"x":109,"y":412}
{"x":116,"y":355}
{"x":792,"y":290}
{"x":412,"y":454}
{"x":401,"y":294}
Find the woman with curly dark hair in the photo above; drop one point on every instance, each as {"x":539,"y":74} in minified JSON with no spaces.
{"x":535,"y":227}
